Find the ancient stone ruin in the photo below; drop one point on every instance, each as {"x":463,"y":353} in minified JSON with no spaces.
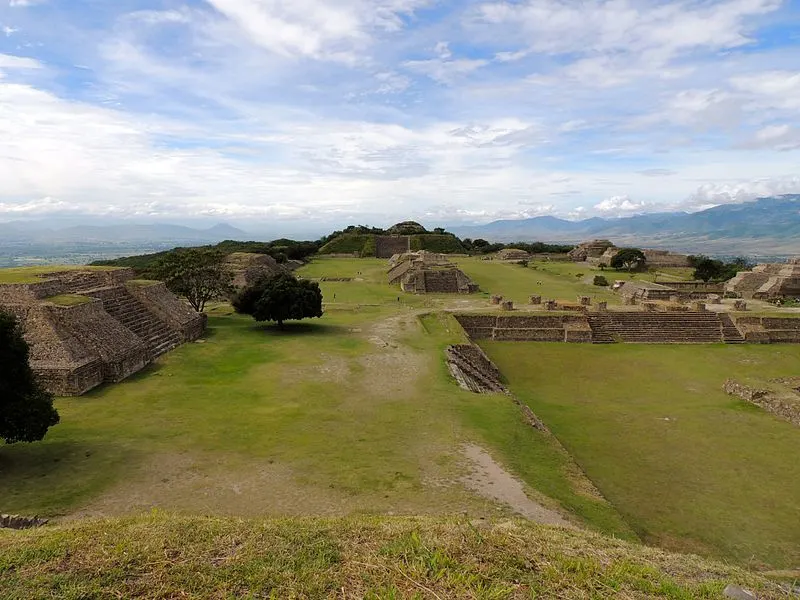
{"x":20,"y":522}
{"x":602,"y":251}
{"x":90,"y":326}
{"x":428,"y":273}
{"x":388,"y":245}
{"x":784,"y":406}
{"x":606,"y":326}
{"x":513,"y":254}
{"x":473,"y":370}
{"x":767,"y":281}
{"x":675,"y":291}
{"x":248,"y":267}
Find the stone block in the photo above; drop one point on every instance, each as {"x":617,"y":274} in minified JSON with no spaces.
{"x":535,"y":299}
{"x":585,"y":300}
{"x":740,"y":305}
{"x":550,"y":305}
{"x":507,"y":305}
{"x":602,"y":306}
{"x":497,"y":299}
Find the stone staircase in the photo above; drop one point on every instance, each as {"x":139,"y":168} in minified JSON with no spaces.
{"x":654,"y":328}
{"x":473,"y":370}
{"x":135,"y":316}
{"x":730,"y":333}
{"x":601,"y":325}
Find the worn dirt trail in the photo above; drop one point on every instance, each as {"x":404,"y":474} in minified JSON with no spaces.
{"x":491,"y":481}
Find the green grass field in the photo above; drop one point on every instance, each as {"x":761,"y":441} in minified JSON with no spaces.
{"x":351,"y":413}
{"x":690,"y":467}
{"x":356,"y":413}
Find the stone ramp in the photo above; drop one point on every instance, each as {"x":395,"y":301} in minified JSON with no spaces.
{"x":135,"y":316}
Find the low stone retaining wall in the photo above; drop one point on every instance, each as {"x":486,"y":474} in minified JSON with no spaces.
{"x":19,"y":522}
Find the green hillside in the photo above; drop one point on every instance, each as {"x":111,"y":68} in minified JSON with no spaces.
{"x":166,"y":556}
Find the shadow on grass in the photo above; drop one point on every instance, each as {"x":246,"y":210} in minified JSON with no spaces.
{"x":292,"y":329}
{"x":46,"y":477}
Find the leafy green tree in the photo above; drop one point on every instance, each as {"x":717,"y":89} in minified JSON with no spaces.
{"x":26,"y":409}
{"x":706,"y":268}
{"x":197,"y":274}
{"x":280,"y":298}
{"x":630,"y":259}
{"x":600,"y":280}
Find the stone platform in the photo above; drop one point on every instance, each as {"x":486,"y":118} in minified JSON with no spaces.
{"x":87,"y":327}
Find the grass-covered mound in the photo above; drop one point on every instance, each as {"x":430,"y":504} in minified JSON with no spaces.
{"x":165,"y":556}
{"x":363,"y":244}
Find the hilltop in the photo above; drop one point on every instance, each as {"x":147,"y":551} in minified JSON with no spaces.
{"x":362,"y":240}
{"x":166,"y":556}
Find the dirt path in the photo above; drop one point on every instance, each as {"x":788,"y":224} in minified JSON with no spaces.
{"x":491,"y":481}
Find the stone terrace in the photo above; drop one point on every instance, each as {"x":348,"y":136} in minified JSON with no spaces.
{"x":698,"y":327}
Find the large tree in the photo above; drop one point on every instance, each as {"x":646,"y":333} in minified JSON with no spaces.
{"x":280,"y":298}
{"x":197,"y":274}
{"x":630,"y":259}
{"x":26,"y":409}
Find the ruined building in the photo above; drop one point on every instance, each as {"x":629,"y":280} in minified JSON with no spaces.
{"x":428,"y":273}
{"x":767,"y":281}
{"x":90,"y":326}
{"x":602,"y":251}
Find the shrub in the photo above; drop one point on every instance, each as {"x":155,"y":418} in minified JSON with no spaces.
{"x":600,"y":280}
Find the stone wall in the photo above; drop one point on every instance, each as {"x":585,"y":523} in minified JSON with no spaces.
{"x":120,"y":351}
{"x":387,"y":246}
{"x":767,"y":330}
{"x":532,"y":328}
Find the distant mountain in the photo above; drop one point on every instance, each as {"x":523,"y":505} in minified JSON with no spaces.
{"x":764,"y":226}
{"x":119,"y":234}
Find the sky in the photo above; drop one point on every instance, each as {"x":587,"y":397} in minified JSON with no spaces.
{"x":330,"y":112}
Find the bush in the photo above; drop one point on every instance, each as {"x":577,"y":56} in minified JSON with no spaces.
{"x":600,"y":280}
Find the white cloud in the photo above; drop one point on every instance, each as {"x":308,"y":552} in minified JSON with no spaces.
{"x":621,"y":205}
{"x":445,"y":71}
{"x":7,"y":61}
{"x":318,"y":29}
{"x":773,"y":89}
{"x":712,"y":194}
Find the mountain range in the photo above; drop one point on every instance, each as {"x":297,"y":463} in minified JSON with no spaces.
{"x":766,"y":226}
{"x":23,"y":232}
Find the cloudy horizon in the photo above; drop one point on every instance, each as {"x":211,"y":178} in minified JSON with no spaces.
{"x":329,"y":112}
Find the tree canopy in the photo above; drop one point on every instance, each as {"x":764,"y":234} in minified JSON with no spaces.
{"x":197,"y":274}
{"x":708,"y":269}
{"x":26,"y":409}
{"x":280,"y":298}
{"x":630,"y":259}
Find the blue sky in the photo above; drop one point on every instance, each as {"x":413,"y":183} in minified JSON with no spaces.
{"x":374,"y":111}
